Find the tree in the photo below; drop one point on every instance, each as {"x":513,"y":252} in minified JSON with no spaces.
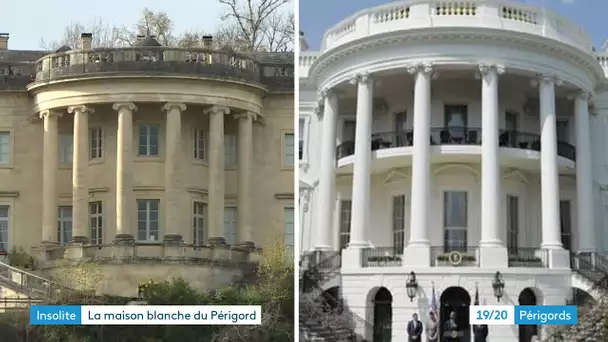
{"x":256,"y":25}
{"x":103,"y":36}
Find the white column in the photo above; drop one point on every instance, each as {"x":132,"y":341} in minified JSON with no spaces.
{"x":50,"y":163}
{"x":584,"y":176}
{"x":491,"y":194}
{"x":245,"y":155}
{"x":421,"y":168}
{"x":551,"y":238}
{"x":216,"y":174}
{"x":80,"y":163}
{"x":175,"y":222}
{"x":363,"y":161}
{"x":124,"y":171}
{"x":323,"y":230}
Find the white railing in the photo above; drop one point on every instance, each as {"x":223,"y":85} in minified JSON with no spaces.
{"x":306,"y":61}
{"x":29,"y":283}
{"x":491,"y":14}
{"x":602,"y":58}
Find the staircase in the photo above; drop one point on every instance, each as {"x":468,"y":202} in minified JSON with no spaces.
{"x":26,"y":284}
{"x":317,"y":269}
{"x":590,"y":271}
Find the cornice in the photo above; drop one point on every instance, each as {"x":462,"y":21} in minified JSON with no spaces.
{"x":378,"y":41}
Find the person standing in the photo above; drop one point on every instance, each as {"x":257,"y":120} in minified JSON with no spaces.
{"x":432,"y":328}
{"x":451,"y":331}
{"x":414,"y":329}
{"x":480,"y":333}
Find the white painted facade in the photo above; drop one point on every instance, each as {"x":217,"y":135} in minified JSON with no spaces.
{"x":482,"y":86}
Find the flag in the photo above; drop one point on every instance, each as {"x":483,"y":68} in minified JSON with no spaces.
{"x":476,"y":296}
{"x":433,"y":303}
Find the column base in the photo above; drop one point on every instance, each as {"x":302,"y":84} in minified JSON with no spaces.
{"x":46,"y":250}
{"x":493,"y":256}
{"x":77,"y":249}
{"x":559,"y":258}
{"x":247,"y":246}
{"x":351,"y":257}
{"x":416,"y":255}
{"x":322,"y":248}
{"x":173,"y":246}
{"x":217,"y":242}
{"x":123,"y":246}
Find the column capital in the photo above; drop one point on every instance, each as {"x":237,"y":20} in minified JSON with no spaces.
{"x":546,"y":79}
{"x":245,"y":115}
{"x":364,"y":78}
{"x":217,"y":110}
{"x":580,"y":94}
{"x":50,"y":114}
{"x":170,"y":105}
{"x":426,"y":68}
{"x":80,"y":109}
{"x":318,"y":110}
{"x":119,"y":105}
{"x":489,"y":70}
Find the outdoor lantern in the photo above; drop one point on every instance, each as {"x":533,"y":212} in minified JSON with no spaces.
{"x":412,"y":286}
{"x":498,"y":285}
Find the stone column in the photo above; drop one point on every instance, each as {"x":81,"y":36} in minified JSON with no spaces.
{"x":363,"y":160}
{"x":417,"y":251}
{"x":124,"y":172}
{"x":584,"y":176}
{"x":80,"y":163}
{"x":492,"y":249}
{"x":551,"y":234}
{"x":323,"y":229}
{"x":216,"y":174}
{"x":50,"y":164}
{"x":175,"y":222}
{"x":245,"y":155}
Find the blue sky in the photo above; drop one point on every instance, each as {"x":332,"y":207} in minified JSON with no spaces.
{"x":316,"y":16}
{"x":27,"y":21}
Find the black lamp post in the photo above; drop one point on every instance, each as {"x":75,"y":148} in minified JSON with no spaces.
{"x":498,"y":285}
{"x":411,"y":286}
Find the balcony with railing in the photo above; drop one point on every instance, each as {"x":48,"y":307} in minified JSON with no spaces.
{"x":456,"y":136}
{"x":443,"y":256}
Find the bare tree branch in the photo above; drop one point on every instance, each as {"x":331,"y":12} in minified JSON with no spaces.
{"x":103,"y":36}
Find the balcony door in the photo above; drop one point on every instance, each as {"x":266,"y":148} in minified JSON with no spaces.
{"x":565,"y":211}
{"x":348,"y":130}
{"x":455,"y":221}
{"x":512,"y":223}
{"x":400,"y":129}
{"x":456,"y":120}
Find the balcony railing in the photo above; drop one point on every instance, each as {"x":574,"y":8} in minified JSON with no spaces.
{"x":456,"y":136}
{"x":381,"y":257}
{"x":447,"y":256}
{"x":528,"y":257}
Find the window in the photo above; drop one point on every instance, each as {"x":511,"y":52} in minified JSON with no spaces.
{"x":96,"y":217}
{"x":345,"y":209}
{"x":148,"y":140}
{"x":199,"y":144}
{"x":147,"y":220}
{"x":66,"y":144}
{"x":199,"y":222}
{"x":96,"y":143}
{"x":398,"y":223}
{"x":230,"y":146}
{"x":455,"y":221}
{"x":64,"y":226}
{"x":5,"y":147}
{"x":562,"y":130}
{"x":288,"y":150}
{"x":456,"y":118}
{"x":301,"y":138}
{"x":4,"y":226}
{"x":289,"y":227}
{"x":349,"y":129}
{"x":566,"y":224}
{"x":512,"y":223}
{"x":230,"y":225}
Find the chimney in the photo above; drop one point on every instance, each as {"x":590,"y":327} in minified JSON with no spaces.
{"x":86,"y":40}
{"x":208,"y":42}
{"x":303,"y":43}
{"x":140,"y":37}
{"x":3,"y":41}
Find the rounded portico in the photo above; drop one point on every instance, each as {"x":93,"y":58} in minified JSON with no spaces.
{"x":123,"y":101}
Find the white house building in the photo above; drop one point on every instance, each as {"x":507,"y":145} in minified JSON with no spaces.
{"x":454,"y":150}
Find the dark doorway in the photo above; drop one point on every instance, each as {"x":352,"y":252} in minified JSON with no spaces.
{"x":383,"y":315}
{"x":456,"y":299}
{"x":582,"y":299}
{"x":527,"y":297}
{"x":332,"y":297}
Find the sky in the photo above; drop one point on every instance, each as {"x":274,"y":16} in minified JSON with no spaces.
{"x":27,"y":21}
{"x":317,"y":16}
